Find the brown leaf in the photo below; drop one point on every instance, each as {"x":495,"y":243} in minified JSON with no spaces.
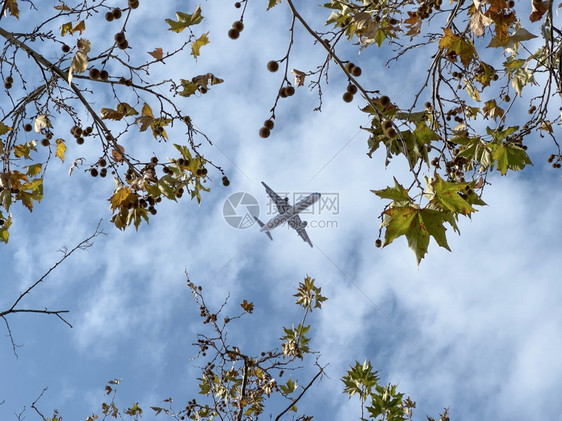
{"x":118,"y":153}
{"x":539,"y":9}
{"x":157,"y":53}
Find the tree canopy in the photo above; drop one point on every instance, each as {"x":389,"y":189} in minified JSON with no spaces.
{"x":485,"y":62}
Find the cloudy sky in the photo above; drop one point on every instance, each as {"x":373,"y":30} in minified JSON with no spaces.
{"x":477,"y":329}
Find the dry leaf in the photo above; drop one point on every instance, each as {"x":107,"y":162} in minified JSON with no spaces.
{"x":299,"y":77}
{"x":157,"y":53}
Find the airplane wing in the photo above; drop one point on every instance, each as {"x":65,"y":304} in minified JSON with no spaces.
{"x":282,"y":204}
{"x":297,"y":224}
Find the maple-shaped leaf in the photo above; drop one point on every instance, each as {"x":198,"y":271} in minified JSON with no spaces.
{"x":491,"y":109}
{"x":157,"y":53}
{"x":448,"y":195}
{"x":458,"y":45}
{"x":397,"y":193}
{"x":185,"y":20}
{"x":413,"y":23}
{"x":121,"y":197}
{"x":197,"y":44}
{"x":247,"y":306}
{"x":417,"y":225}
{"x":510,"y":157}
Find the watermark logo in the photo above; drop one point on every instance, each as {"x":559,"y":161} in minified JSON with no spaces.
{"x":239,"y":210}
{"x":329,"y":203}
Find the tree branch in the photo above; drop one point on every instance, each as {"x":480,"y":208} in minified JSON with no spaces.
{"x":83,"y":245}
{"x":320,"y":372}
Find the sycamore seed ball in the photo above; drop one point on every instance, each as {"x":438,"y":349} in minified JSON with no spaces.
{"x":45,"y":141}
{"x":27,"y":127}
{"x":94,"y":73}
{"x":65,"y":48}
{"x":385,"y":100}
{"x":290,"y":91}
{"x":238,"y":5}
{"x":352,"y":89}
{"x":104,"y":75}
{"x":94,"y":172}
{"x":116,"y":13}
{"x":233,"y":33}
{"x":356,"y":71}
{"x":109,"y":16}
{"x":238,"y":25}
{"x":378,"y":243}
{"x":264,"y":132}
{"x":268,"y":124}
{"x":119,"y":37}
{"x":272,"y":66}
{"x":348,"y":97}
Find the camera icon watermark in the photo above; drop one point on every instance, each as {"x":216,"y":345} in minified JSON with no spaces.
{"x":240,"y":210}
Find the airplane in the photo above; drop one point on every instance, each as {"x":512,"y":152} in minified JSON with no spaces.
{"x":288,"y":213}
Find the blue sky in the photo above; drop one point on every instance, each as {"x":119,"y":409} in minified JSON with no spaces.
{"x":480,"y":329}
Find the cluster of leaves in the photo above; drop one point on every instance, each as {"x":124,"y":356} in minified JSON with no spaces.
{"x":236,"y":385}
{"x":455,"y":130}
{"x":37,"y":109}
{"x":381,"y":402}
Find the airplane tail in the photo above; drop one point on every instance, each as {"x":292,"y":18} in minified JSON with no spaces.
{"x":261,"y":225}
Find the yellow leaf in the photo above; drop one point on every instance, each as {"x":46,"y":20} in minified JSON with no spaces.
{"x":61,"y":149}
{"x":4,"y":129}
{"x":196,"y":45}
{"x":146,"y":110}
{"x":120,"y":197}
{"x":63,"y":7}
{"x":33,"y":170}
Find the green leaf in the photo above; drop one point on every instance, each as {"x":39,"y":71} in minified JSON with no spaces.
{"x":446,"y":195}
{"x":34,"y":169}
{"x":185,"y":20}
{"x":397,"y":193}
{"x":189,"y":88}
{"x":417,"y":225}
{"x":196,"y":45}
{"x":510,"y":157}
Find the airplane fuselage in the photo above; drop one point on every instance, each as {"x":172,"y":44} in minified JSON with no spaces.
{"x":291,"y":212}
